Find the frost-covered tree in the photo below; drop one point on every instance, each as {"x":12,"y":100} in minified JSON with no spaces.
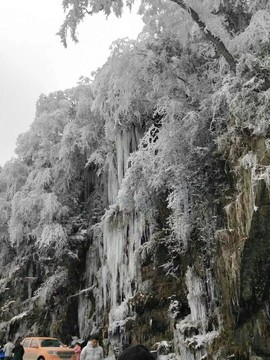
{"x":220,"y":22}
{"x":78,"y":9}
{"x":56,"y":148}
{"x":13,"y":176}
{"x":164,"y":83}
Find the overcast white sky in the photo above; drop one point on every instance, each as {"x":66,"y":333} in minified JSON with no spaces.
{"x":33,"y":61}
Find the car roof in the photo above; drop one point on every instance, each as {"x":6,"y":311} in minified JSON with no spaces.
{"x":40,"y":337}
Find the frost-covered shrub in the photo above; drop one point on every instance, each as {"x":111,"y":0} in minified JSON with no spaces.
{"x":52,"y":235}
{"x":250,"y":106}
{"x":255,"y":35}
{"x":53,"y":285}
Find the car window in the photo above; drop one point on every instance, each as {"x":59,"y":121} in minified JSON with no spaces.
{"x":50,"y":343}
{"x":34,"y":343}
{"x":26,"y":343}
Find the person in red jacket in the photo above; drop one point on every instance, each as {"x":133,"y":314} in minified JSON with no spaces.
{"x":77,"y":349}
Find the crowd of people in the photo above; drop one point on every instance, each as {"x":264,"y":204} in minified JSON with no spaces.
{"x":91,"y":350}
{"x":12,"y":351}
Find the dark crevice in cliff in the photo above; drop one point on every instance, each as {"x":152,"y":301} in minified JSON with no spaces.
{"x":255,"y":261}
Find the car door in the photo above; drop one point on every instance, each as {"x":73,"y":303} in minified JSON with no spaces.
{"x":25,"y":344}
{"x":32,"y":351}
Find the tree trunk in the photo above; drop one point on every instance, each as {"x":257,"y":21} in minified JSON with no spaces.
{"x":214,"y":39}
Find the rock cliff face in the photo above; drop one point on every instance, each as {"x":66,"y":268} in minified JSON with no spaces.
{"x":215,"y":304}
{"x":242,"y":263}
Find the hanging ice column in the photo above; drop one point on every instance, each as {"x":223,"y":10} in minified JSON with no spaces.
{"x":193,"y":334}
{"x":125,"y":142}
{"x":122,"y":234}
{"x":120,"y":272}
{"x":109,"y":242}
{"x":113,"y":261}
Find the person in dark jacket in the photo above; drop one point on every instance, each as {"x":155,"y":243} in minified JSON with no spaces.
{"x":136,"y":352}
{"x":18,"y":350}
